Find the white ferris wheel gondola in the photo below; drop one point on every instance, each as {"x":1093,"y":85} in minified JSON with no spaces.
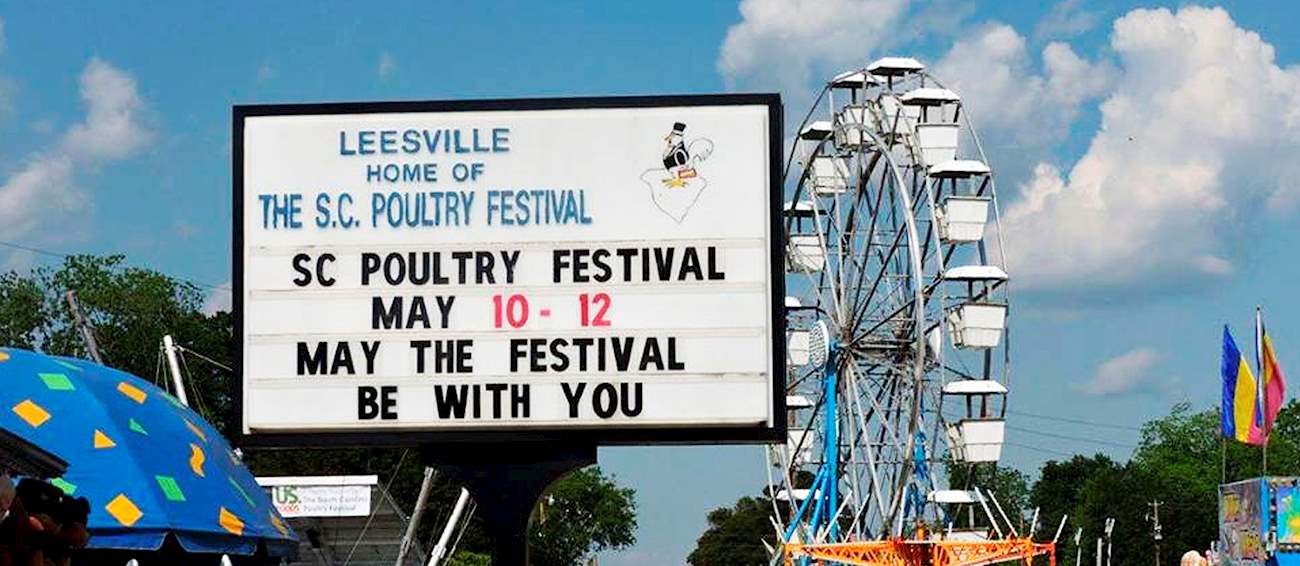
{"x":895,"y":66}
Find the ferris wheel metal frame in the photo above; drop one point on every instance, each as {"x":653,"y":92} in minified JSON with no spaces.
{"x":904,"y":306}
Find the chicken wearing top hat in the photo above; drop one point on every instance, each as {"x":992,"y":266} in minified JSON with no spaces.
{"x":676,"y":183}
{"x":676,"y":157}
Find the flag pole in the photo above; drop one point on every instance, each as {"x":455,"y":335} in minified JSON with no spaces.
{"x":1223,"y":457}
{"x":1260,"y":385}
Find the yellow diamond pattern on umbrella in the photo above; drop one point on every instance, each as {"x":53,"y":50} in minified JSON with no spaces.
{"x":124,"y":510}
{"x":4,"y":357}
{"x":102,"y":440}
{"x":132,"y":391}
{"x":230,"y":522}
{"x":34,"y":414}
{"x":196,"y":459}
{"x":277,"y":523}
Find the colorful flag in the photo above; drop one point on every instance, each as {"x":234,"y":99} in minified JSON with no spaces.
{"x":1240,"y":396}
{"x":1273,"y":393}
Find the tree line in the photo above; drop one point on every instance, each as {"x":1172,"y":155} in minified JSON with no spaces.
{"x":1180,"y":461}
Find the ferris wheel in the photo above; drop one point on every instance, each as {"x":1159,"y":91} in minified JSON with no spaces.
{"x":899,"y":359}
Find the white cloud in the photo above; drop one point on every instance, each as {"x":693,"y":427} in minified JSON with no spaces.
{"x":1019,"y":112}
{"x":266,"y":71}
{"x":1127,"y":372}
{"x":219,"y":299}
{"x":44,"y":126}
{"x":780,"y":43}
{"x":113,"y":128}
{"x":44,"y":186}
{"x":1066,"y":19}
{"x":44,"y":183}
{"x":387,"y":64}
{"x":1198,"y":135}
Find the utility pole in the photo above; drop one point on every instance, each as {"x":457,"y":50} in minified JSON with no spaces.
{"x":87,"y":333}
{"x":413,"y":525}
{"x":1078,"y":548}
{"x":1154,"y":517}
{"x":1110,"y":527}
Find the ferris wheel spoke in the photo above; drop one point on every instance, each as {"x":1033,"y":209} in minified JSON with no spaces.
{"x":864,"y":302}
{"x":868,"y":449}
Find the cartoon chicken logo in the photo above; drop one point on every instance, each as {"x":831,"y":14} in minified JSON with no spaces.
{"x":676,"y":186}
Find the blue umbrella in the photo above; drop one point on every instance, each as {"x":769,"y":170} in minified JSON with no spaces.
{"x":149,"y":466}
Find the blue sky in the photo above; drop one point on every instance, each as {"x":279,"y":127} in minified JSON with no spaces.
{"x":115,"y":137}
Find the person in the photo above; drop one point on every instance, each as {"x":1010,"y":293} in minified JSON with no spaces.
{"x":42,"y":526}
{"x":6,"y":493}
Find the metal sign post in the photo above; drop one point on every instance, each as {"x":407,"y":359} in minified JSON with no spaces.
{"x":506,"y":481}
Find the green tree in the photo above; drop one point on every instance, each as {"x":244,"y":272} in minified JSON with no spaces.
{"x":1058,"y":490}
{"x":583,"y":513}
{"x":1120,"y":493}
{"x":736,"y":535}
{"x":22,"y":311}
{"x":465,"y":558}
{"x":1009,"y":486}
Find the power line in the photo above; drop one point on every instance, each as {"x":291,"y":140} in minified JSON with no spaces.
{"x":1068,"y":437}
{"x":1037,"y":449}
{"x":51,"y":253}
{"x":1075,"y":421}
{"x":33,"y":250}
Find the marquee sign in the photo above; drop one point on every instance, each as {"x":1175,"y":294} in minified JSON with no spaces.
{"x":605,"y":268}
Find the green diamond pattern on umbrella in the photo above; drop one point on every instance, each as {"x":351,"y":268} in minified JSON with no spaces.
{"x":67,"y":365}
{"x":241,"y":491}
{"x":57,"y":382}
{"x":137,"y":427}
{"x":68,"y":487}
{"x":170,"y":488}
{"x":174,"y":401}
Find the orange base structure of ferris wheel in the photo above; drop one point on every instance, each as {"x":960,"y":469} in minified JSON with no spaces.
{"x":898,"y":552}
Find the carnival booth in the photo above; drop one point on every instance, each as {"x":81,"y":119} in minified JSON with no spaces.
{"x":1259,"y":522}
